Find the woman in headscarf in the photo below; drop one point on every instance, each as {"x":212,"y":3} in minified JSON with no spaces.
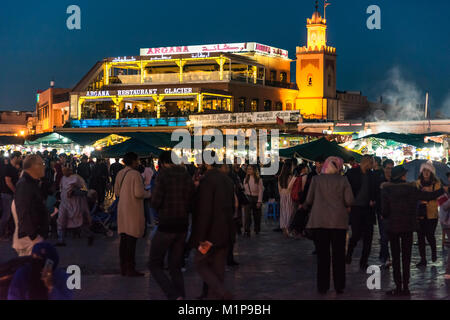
{"x":74,"y":209}
{"x":330,"y":197}
{"x":427,"y":212}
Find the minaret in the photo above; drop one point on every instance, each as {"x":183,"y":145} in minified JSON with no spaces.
{"x":316,"y":70}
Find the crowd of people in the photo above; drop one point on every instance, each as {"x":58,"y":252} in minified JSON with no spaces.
{"x":201,"y":209}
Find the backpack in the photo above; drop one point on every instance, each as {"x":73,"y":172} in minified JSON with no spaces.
{"x":296,"y":189}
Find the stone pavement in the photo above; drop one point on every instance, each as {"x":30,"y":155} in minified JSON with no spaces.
{"x":271,"y":267}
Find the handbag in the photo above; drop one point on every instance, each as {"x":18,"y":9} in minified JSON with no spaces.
{"x":421,"y":210}
{"x":242,"y":197}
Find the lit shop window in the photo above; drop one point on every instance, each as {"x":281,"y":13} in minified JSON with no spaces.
{"x":288,"y":105}
{"x":254,"y":105}
{"x":278,"y":106}
{"x":267,"y":105}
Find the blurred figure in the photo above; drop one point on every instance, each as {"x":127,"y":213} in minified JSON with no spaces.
{"x":172,"y":198}
{"x":84,"y":169}
{"x":73,"y":210}
{"x":99,"y":180}
{"x":129,"y":188}
{"x":114,"y":170}
{"x":10,"y":176}
{"x":382,"y":177}
{"x":362,"y":215}
{"x":399,"y":206}
{"x":285,"y":183}
{"x":329,"y":198}
{"x":427,"y":213}
{"x":29,"y":211}
{"x":41,"y":279}
{"x":213,"y":230}
{"x":253,"y":188}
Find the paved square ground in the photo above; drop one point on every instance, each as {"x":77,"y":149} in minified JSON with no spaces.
{"x":271,"y":267}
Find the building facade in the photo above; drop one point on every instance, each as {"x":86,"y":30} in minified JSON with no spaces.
{"x":52,"y":109}
{"x":174,"y":86}
{"x":15,"y":123}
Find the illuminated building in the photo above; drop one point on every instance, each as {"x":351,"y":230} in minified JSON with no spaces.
{"x":52,"y":108}
{"x":316,"y":79}
{"x":186,"y":85}
{"x":164,"y":86}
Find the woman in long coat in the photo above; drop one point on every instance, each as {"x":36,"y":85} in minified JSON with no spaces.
{"x":129,"y":188}
{"x":330,"y":197}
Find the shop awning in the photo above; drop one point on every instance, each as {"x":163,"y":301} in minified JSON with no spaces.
{"x":80,"y":138}
{"x":319,"y":148}
{"x":416,"y":140}
{"x":155,"y":139}
{"x":132,"y":145}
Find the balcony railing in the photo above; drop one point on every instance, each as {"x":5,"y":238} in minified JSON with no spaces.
{"x":189,"y":77}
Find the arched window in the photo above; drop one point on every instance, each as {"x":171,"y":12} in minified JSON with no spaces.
{"x":278,"y":106}
{"x":267,"y":105}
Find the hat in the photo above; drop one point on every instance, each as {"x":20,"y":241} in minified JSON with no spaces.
{"x":398,"y":172}
{"x":429,"y":166}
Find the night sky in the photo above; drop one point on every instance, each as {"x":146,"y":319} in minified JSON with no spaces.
{"x":36,"y":45}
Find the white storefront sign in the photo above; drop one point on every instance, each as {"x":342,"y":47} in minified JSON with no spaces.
{"x":140,"y":92}
{"x":245,"y":117}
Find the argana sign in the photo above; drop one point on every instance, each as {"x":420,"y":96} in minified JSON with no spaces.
{"x":227,"y":47}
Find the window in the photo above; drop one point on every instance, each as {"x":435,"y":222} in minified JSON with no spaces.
{"x":254,"y":105}
{"x":273,"y":75}
{"x":242,"y":104}
{"x":288,"y":105}
{"x":260,"y":73}
{"x":283,"y":76}
{"x":267,"y":105}
{"x":278,"y":106}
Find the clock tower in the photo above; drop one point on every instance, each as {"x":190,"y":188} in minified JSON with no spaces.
{"x":316,"y":71}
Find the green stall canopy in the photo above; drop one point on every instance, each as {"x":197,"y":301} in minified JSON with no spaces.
{"x":319,"y":148}
{"x":132,"y":145}
{"x":412,"y":139}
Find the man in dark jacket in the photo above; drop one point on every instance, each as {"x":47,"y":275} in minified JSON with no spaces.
{"x":383,"y":176}
{"x":398,"y":205}
{"x":212,"y":230}
{"x":172,"y":199}
{"x":84,"y":169}
{"x":30,"y":206}
{"x":99,"y":179}
{"x":362,"y":215}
